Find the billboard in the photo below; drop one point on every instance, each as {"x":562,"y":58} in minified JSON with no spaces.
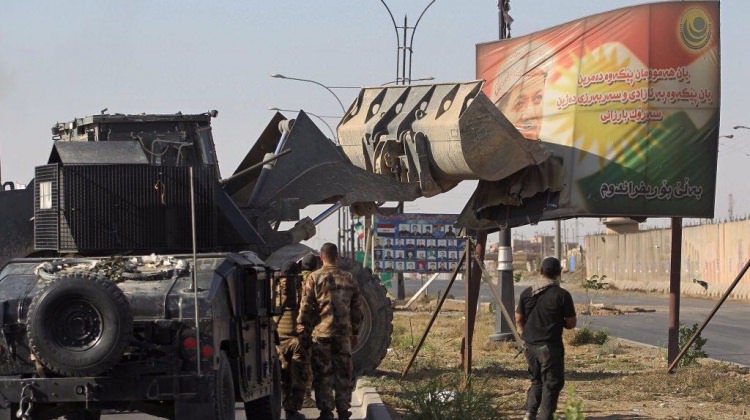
{"x":628,"y":99}
{"x":416,"y":243}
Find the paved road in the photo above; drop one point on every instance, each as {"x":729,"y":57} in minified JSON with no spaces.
{"x":727,"y":333}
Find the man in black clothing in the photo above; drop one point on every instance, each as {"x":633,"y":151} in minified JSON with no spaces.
{"x":542,"y":312}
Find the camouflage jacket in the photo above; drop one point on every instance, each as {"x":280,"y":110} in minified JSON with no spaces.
{"x":289,"y":292}
{"x":330,"y":304}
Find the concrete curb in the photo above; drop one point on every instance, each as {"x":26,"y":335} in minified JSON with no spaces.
{"x":368,"y":401}
{"x":366,"y":404}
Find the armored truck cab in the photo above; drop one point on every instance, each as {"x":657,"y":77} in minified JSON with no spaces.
{"x":87,"y":334}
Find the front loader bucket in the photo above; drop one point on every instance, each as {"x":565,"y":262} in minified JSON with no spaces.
{"x":314,"y":172}
{"x":436,"y":135}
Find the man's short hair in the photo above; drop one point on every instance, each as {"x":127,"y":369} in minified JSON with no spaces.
{"x":330,"y":251}
{"x":551,"y":267}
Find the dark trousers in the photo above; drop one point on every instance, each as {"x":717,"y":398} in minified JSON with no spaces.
{"x":332,"y":373}
{"x":547,"y":372}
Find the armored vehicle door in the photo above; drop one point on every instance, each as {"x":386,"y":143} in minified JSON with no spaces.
{"x":250,"y":292}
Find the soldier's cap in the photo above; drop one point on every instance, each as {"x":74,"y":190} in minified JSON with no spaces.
{"x":289,"y":269}
{"x":309,"y":262}
{"x":551,"y":267}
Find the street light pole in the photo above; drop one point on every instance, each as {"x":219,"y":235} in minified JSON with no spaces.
{"x":328,"y":88}
{"x":402,"y":63}
{"x":342,"y":221}
{"x":402,"y":46}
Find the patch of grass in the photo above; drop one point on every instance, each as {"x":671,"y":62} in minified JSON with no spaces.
{"x":452,"y":396}
{"x":586,"y":335}
{"x":695,"y":351}
{"x":610,"y":347}
{"x":402,"y":337}
{"x":573,"y":408}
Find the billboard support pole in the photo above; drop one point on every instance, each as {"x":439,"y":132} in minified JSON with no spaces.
{"x":503,"y":330}
{"x":673,"y":346}
{"x":466,"y":348}
{"x":472,"y":283}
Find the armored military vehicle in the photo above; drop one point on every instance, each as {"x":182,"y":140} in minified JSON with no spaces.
{"x":141,"y":284}
{"x":133,"y":277}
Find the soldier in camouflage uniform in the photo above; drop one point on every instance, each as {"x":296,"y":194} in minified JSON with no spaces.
{"x":308,"y":264}
{"x":330,"y":313}
{"x":294,"y":351}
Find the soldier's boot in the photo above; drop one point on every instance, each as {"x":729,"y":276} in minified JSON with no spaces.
{"x":326,"y":415}
{"x":293,"y":415}
{"x":344,"y":415}
{"x":308,"y":402}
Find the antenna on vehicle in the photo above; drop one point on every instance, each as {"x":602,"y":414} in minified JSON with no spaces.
{"x":194,"y":274}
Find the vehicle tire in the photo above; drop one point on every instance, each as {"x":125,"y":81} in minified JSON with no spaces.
{"x":219,"y":405}
{"x":224,"y":398}
{"x":377,"y":322}
{"x":268,"y":407}
{"x":79,"y":325}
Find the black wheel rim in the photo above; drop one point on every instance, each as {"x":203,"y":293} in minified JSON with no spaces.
{"x":77,"y":325}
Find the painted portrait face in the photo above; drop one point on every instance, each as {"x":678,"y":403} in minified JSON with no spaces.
{"x":523,"y":105}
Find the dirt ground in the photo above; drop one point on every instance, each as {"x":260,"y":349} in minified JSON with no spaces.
{"x":616,"y":380}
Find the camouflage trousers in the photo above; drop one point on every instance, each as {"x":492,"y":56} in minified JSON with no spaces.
{"x":295,"y":372}
{"x":332,"y":373}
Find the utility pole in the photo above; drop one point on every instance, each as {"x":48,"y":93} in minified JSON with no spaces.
{"x":504,"y":19}
{"x":503,"y":331}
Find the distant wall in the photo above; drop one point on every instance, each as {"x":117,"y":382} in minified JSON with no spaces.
{"x":714,"y":253}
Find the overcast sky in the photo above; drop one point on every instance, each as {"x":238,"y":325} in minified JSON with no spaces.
{"x":66,"y":59}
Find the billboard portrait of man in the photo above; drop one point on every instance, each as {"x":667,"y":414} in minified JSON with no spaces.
{"x":523,"y":104}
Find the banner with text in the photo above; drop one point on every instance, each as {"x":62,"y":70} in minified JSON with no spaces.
{"x":416,"y":243}
{"x":629,"y":99}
